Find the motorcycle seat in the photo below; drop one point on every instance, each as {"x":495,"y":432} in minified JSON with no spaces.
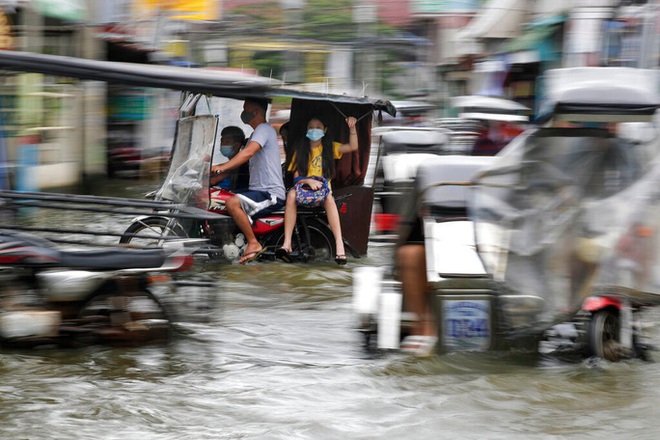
{"x":112,"y":259}
{"x":20,"y":249}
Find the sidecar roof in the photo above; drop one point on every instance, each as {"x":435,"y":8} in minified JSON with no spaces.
{"x":601,"y":94}
{"x":407,"y":141}
{"x":444,"y":180}
{"x":492,"y":108}
{"x":231,"y":84}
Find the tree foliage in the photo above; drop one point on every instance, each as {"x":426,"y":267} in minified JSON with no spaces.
{"x":323,"y":20}
{"x":330,"y":20}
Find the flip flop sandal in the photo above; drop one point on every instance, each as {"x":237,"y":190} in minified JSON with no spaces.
{"x":341,"y":259}
{"x":419,"y":345}
{"x":283,"y":254}
{"x":251,"y":256}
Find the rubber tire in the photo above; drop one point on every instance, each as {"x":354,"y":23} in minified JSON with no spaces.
{"x":150,"y":223}
{"x":98,"y":312}
{"x":321,"y":236}
{"x":603,"y":335}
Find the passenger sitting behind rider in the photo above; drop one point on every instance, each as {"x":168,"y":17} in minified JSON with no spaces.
{"x":314,"y":160}
{"x":266,"y":189}
{"x":232,"y":140}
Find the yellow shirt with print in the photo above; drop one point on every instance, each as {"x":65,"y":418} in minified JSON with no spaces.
{"x":315,"y":165}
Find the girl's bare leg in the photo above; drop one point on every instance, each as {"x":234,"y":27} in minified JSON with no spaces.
{"x":290,"y":213}
{"x":335,"y":225}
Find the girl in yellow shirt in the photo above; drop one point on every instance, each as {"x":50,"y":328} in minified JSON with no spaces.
{"x":315,"y":157}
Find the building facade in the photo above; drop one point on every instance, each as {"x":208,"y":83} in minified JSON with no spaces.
{"x":394,"y":49}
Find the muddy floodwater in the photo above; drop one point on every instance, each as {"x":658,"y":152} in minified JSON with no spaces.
{"x":279,"y":358}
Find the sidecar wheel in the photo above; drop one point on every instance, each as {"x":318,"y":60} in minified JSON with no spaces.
{"x":603,"y":336}
{"x":150,"y":231}
{"x":131,"y":318}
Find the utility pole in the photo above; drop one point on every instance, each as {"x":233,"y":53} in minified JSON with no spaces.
{"x":583,"y":41}
{"x":293,"y":60}
{"x":650,"y":47}
{"x":364,"y":15}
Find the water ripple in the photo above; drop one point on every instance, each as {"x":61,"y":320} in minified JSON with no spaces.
{"x":279,"y":358}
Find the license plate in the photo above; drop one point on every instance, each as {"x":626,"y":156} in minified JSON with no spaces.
{"x":466,"y":324}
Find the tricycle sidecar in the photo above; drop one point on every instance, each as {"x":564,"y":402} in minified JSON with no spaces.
{"x":471,"y":309}
{"x":565,"y":213}
{"x":436,"y":216}
{"x":197,"y":134}
{"x":187,"y":182}
{"x":400,"y":151}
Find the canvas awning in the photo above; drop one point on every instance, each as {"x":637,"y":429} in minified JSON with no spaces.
{"x":496,"y":19}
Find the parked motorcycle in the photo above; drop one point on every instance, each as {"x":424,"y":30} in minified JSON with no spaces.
{"x":187,"y":183}
{"x":51,"y":296}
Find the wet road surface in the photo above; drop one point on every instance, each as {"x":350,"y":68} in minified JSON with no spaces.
{"x":279,"y":358}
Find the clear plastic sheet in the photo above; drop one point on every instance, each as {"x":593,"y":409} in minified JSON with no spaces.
{"x":187,"y":180}
{"x":565,"y":212}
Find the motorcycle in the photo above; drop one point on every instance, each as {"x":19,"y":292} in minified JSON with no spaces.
{"x":76,"y":297}
{"x":312,"y":239}
{"x":187,"y":183}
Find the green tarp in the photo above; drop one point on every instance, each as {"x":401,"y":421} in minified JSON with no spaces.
{"x":530,"y":40}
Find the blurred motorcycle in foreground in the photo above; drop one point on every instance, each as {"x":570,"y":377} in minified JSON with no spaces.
{"x":51,"y":296}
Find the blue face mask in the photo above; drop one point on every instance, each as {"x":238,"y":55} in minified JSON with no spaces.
{"x":227,"y":150}
{"x":314,"y":134}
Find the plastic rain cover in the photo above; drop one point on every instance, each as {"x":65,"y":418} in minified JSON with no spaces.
{"x":565,"y":212}
{"x":187,"y":180}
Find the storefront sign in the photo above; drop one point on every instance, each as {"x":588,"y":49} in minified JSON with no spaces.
{"x":129,"y":106}
{"x":178,"y":9}
{"x":72,"y":10}
{"x":443,"y":7}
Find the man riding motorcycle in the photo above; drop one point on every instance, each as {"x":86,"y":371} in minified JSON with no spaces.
{"x":266,"y":191}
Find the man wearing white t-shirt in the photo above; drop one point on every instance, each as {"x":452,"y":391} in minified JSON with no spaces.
{"x":266,"y":191}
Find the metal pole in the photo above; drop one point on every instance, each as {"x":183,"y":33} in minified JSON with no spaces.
{"x":364,"y":15}
{"x":649,"y":46}
{"x":293,"y":16}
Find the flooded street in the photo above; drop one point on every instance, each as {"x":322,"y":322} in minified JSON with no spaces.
{"x":279,"y":359}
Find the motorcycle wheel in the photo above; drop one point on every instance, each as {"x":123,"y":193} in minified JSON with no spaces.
{"x":151,"y":230}
{"x":320,"y":248}
{"x":603,"y":335}
{"x":132,"y":318}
